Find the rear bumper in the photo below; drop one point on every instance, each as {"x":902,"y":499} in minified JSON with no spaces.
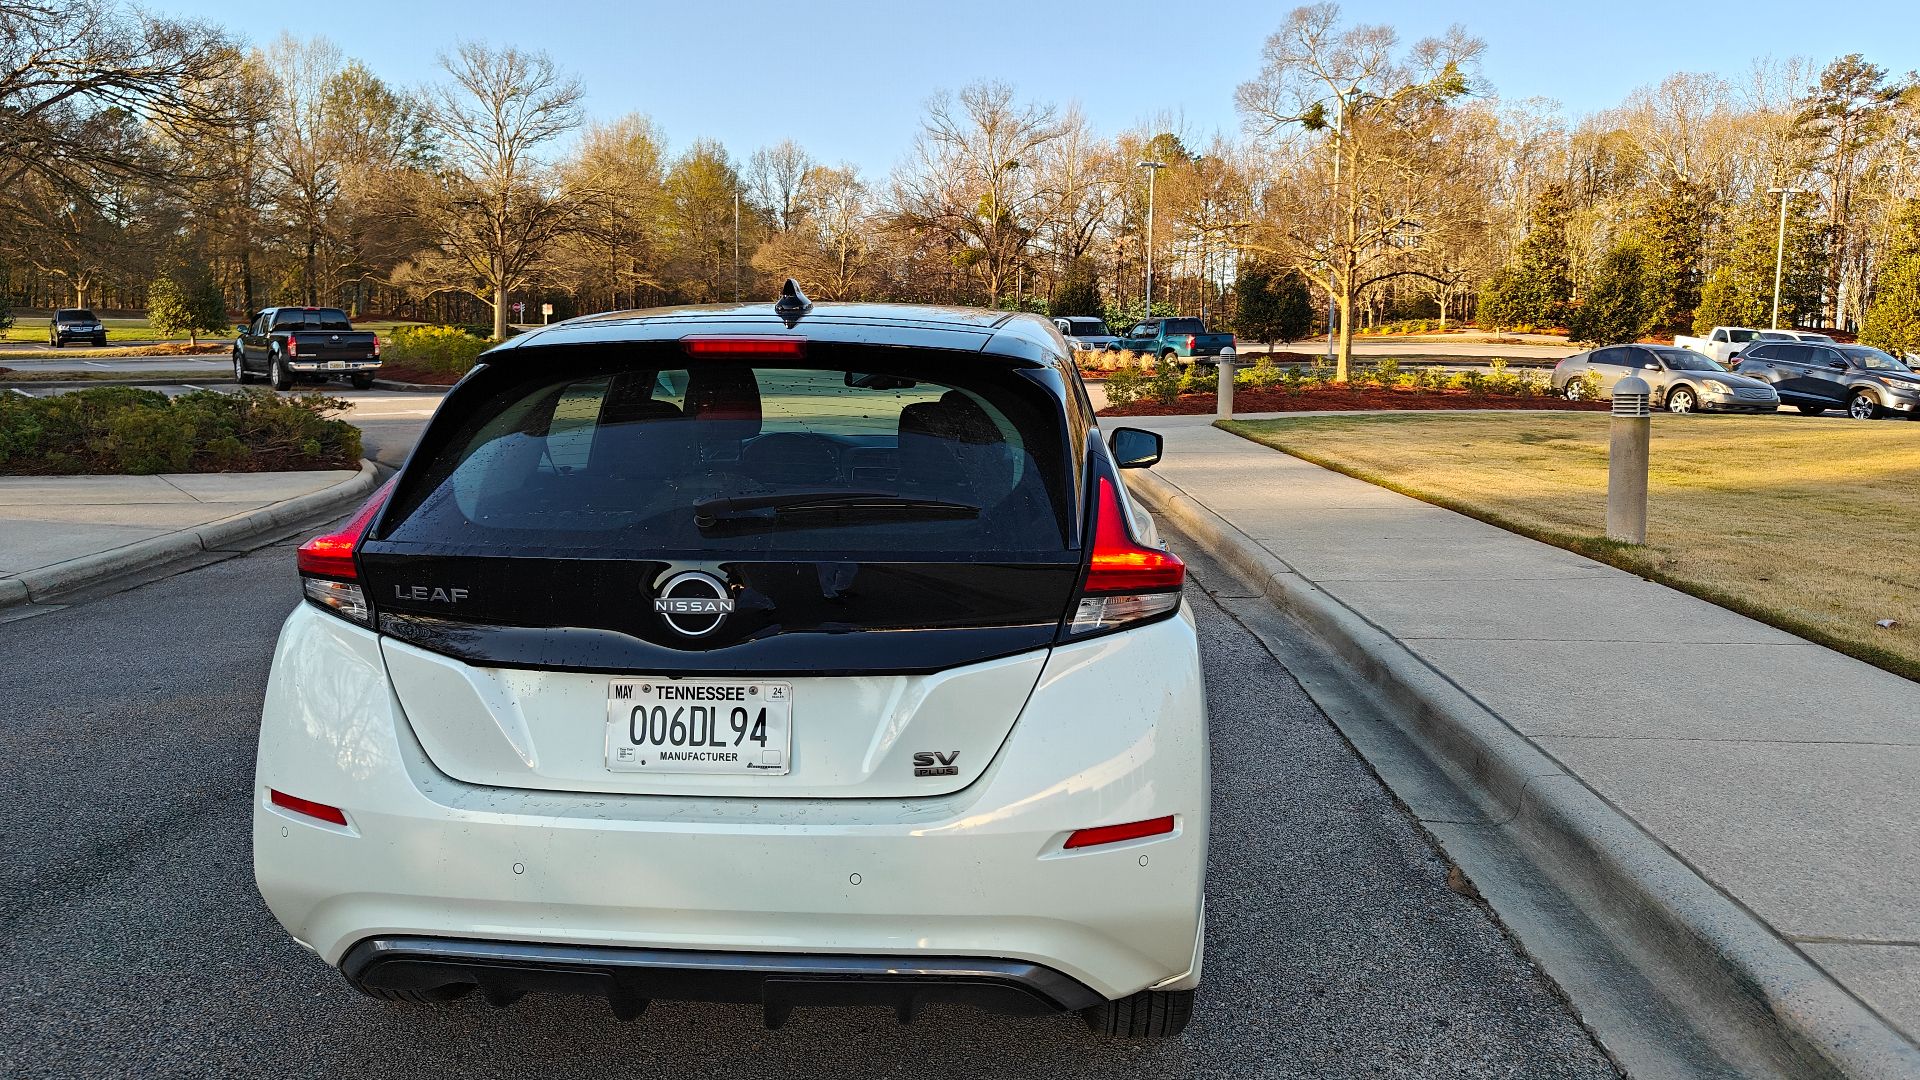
{"x":329,"y":366}
{"x":980,"y":874}
{"x":629,"y":978}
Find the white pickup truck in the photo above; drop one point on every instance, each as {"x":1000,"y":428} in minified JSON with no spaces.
{"x":1724,"y":344}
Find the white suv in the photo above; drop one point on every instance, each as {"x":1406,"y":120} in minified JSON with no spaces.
{"x":784,"y":656}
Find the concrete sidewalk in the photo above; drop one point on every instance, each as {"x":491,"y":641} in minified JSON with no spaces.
{"x":61,"y":533}
{"x":1783,"y":774}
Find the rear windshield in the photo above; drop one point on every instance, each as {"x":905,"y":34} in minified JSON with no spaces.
{"x":1185,"y":326}
{"x":73,"y":315}
{"x":316,"y":319}
{"x":1088,"y":328}
{"x":613,"y":463}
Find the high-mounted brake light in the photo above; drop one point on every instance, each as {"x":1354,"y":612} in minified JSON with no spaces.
{"x":1127,"y":582}
{"x":327,"y":574}
{"x":744,"y":346}
{"x":1114,"y":834}
{"x":332,"y":815}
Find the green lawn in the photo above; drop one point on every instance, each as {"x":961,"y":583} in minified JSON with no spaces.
{"x":1807,"y":524}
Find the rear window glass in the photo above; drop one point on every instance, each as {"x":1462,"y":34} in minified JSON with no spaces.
{"x":317,"y":319}
{"x":1185,"y":326}
{"x":726,"y":458}
{"x":1088,"y":328}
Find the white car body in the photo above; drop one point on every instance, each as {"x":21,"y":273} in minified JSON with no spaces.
{"x":1722,"y":344}
{"x":415,"y":809}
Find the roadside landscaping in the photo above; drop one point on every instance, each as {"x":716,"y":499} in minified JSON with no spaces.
{"x":1266,"y":387}
{"x":1797,"y":523}
{"x":10,"y":375}
{"x":120,"y":429}
{"x":433,"y":355}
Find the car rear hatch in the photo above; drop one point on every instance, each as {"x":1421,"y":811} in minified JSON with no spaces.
{"x":765,"y":567}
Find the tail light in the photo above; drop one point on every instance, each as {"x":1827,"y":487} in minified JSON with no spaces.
{"x":327,"y":573}
{"x":1190,"y":340}
{"x":293,"y":345}
{"x":1127,"y":581}
{"x":376,"y":345}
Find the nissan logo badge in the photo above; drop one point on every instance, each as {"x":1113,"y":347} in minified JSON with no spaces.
{"x":694,"y":603}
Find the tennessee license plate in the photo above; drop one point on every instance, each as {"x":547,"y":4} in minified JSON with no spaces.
{"x":699,"y":726}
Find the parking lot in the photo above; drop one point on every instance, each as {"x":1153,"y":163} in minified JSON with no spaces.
{"x":132,"y":941}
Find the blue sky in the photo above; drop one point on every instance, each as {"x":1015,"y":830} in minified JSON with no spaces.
{"x":848,"y":79}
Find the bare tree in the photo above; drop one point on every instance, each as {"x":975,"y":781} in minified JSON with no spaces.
{"x":776,"y":177}
{"x":305,"y":149}
{"x":829,"y":249}
{"x":1353,"y":114}
{"x":971,"y":178}
{"x":496,"y":207}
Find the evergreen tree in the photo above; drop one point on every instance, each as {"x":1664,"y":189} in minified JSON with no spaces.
{"x":1672,"y":232}
{"x":1296,"y":306}
{"x":1256,"y":314}
{"x":1535,"y":291}
{"x":1739,"y":292}
{"x":186,"y":301}
{"x":1079,"y":292}
{"x":1620,"y":306}
{"x":1893,"y":318}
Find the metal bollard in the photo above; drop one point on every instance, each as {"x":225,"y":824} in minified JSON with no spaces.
{"x":1225,"y":393}
{"x":1627,"y":460}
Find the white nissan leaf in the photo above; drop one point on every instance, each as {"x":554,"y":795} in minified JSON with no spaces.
{"x":769,"y":654}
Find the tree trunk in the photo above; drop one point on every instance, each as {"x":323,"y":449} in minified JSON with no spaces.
{"x":500,"y":312}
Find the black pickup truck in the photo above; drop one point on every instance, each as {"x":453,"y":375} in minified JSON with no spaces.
{"x":291,"y":344}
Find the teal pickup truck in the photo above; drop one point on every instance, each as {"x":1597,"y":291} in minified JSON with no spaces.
{"x":1173,"y":339}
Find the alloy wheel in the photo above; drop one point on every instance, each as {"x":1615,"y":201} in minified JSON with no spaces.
{"x":1680,"y":401}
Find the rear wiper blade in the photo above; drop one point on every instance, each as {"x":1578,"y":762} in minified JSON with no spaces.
{"x":707,"y":512}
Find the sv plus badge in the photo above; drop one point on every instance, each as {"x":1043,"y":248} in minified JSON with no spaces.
{"x":693,"y":603}
{"x":936,"y":763}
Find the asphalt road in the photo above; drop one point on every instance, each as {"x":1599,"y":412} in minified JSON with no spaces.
{"x":132,"y":941}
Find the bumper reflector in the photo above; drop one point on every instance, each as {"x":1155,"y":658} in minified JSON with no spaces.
{"x":1113,"y":834}
{"x":332,"y":815}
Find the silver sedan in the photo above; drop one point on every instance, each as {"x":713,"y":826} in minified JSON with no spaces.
{"x":1682,"y":381}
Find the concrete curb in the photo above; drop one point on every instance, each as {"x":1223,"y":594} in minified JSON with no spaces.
{"x":49,"y":582}
{"x":410,"y":387}
{"x":82,"y":384}
{"x":1635,"y":888}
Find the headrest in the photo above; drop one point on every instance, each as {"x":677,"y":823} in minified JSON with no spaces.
{"x":724,"y":392}
{"x":955,"y":417}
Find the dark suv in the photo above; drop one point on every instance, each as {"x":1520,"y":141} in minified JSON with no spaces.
{"x":75,"y":324}
{"x":1814,"y":378}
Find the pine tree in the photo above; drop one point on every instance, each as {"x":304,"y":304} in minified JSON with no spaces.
{"x":1672,"y":234}
{"x":1739,"y":292}
{"x":1892,"y":322}
{"x":1535,"y":291}
{"x":1079,"y":292}
{"x":1256,"y":316}
{"x":186,"y":301}
{"x":1296,"y":306}
{"x":1620,"y":306}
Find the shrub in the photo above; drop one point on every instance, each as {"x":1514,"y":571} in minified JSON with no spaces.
{"x":1387,"y":373}
{"x":448,"y":350}
{"x":1419,"y":378}
{"x":1164,"y":385}
{"x":118,"y":429}
{"x":187,"y":301}
{"x":1125,"y":386}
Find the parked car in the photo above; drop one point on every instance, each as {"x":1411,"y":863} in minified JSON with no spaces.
{"x":1681,"y":381}
{"x":293,"y":344}
{"x":1864,"y":381}
{"x":1812,"y":337}
{"x":75,"y":324}
{"x":1174,"y":339}
{"x":765,"y":653}
{"x":1722,"y":344}
{"x":1086,"y":334}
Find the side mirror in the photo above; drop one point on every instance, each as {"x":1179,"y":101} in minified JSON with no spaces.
{"x":1134,"y":448}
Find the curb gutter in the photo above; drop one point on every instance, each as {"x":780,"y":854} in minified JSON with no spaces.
{"x":1630,"y":884}
{"x":410,"y":387}
{"x":225,"y":535}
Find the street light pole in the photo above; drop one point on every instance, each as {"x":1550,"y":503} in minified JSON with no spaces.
{"x":1152,"y":167}
{"x":1780,"y":248}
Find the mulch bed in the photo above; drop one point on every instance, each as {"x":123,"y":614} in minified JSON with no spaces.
{"x":1342,"y":399}
{"x":392,"y":372}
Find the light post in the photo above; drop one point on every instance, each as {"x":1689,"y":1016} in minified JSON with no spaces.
{"x":1152,"y":167}
{"x":736,"y":245}
{"x":1780,"y":247}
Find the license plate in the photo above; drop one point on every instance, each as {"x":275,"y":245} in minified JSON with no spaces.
{"x":699,"y":726}
{"x":336,"y":363}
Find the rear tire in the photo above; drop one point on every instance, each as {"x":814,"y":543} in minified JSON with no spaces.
{"x":1149,"y":1014}
{"x":1575,"y":390}
{"x":282,"y":375}
{"x":361,"y":382}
